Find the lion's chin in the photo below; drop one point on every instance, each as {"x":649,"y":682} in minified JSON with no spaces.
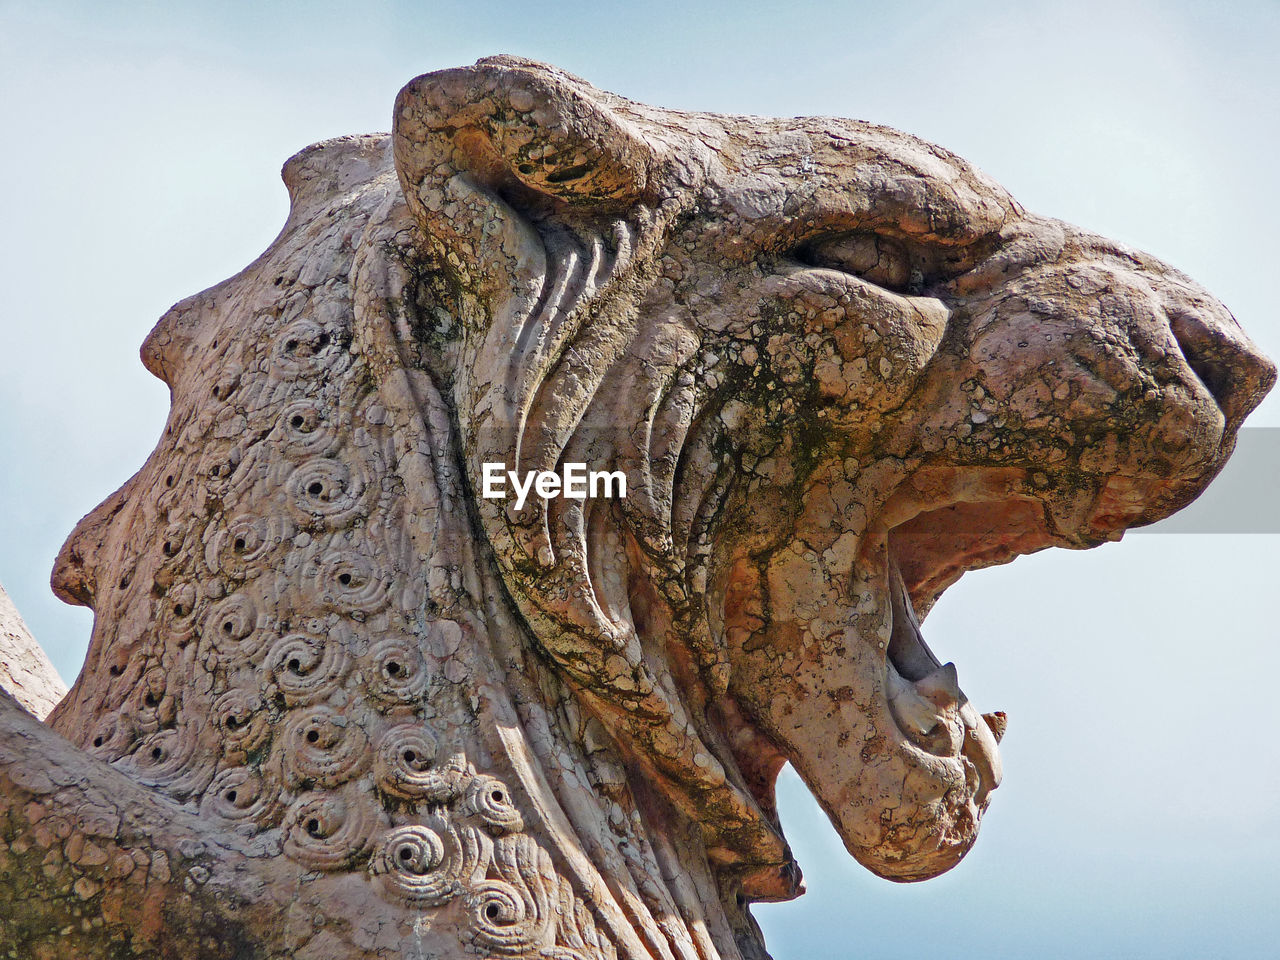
{"x":942,"y":845}
{"x":949,"y":752}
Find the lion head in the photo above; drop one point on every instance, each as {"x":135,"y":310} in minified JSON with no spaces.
{"x":838,"y":366}
{"x":841,"y":367}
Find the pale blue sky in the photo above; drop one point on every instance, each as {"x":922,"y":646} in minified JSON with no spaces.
{"x":1140,"y":817}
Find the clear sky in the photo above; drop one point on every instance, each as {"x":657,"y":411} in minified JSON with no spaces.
{"x":1140,"y":816}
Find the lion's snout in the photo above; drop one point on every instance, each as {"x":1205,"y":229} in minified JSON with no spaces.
{"x":1223,"y":359}
{"x":1100,"y":364}
{"x":1185,"y":339}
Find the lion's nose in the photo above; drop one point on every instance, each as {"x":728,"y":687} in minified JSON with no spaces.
{"x":1234,"y":371}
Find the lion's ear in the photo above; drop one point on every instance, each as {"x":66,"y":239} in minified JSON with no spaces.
{"x":542,"y":202}
{"x":507,"y":121}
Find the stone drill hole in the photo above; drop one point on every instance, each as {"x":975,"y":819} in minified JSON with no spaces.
{"x":393,"y":668}
{"x":313,"y":827}
{"x":227,"y":626}
{"x":179,"y":610}
{"x":156,"y":753}
{"x":410,"y":756}
{"x":168,"y":481}
{"x":97,"y":741}
{"x":315,"y":488}
{"x":324,"y":340}
{"x":168,"y":548}
{"x":115,"y":670}
{"x":231,"y":795}
{"x":150,"y":699}
{"x":291,"y":345}
{"x":406,"y":854}
{"x":233,"y":723}
{"x":491,"y":911}
{"x":344,"y":579}
{"x":313,"y":736}
{"x":295,"y":665}
{"x":296,"y":422}
{"x":498,"y":797}
{"x":240,"y":544}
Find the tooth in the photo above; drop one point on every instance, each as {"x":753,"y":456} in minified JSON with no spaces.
{"x":910,"y":709}
{"x":998,"y":722}
{"x":941,"y":687}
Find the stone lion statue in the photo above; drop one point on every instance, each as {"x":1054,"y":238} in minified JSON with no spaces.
{"x":338,"y":704}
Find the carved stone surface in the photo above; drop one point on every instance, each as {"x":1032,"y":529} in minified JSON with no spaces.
{"x":338,"y":705}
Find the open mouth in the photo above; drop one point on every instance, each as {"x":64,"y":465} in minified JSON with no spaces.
{"x":940,"y":527}
{"x":926,"y":701}
{"x":908,"y":803}
{"x":945,"y":521}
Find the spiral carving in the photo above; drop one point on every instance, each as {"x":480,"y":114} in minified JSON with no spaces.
{"x":242,"y":723}
{"x":397,"y":673}
{"x":327,"y":831}
{"x":510,"y":917}
{"x":171,"y":541}
{"x":181,"y":612}
{"x":241,"y":548}
{"x":239,"y":795}
{"x":321,"y":746}
{"x":112,"y":737}
{"x":405,"y":766}
{"x":428,"y":864}
{"x":306,"y":429}
{"x":148,"y":705}
{"x":306,"y":669}
{"x":348,"y":581}
{"x":488,"y":799}
{"x":228,"y":472}
{"x":167,"y":759}
{"x":502,"y":919}
{"x":411,"y":864}
{"x":326,"y":490}
{"x":514,"y":915}
{"x":231,"y":627}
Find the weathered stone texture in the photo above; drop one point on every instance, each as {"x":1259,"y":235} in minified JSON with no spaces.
{"x":336,"y":705}
{"x":25,"y":670}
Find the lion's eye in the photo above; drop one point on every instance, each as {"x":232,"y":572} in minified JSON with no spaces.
{"x":876,"y":259}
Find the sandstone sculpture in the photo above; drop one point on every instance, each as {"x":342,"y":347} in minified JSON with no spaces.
{"x":337,"y":705}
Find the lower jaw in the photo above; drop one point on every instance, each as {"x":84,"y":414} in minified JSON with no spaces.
{"x":943,"y":847}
